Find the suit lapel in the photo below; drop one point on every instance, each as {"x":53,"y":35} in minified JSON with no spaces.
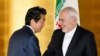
{"x":32,"y":34}
{"x":73,"y":42}
{"x":61,"y":36}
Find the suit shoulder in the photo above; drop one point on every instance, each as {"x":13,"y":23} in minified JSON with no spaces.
{"x":86,"y":31}
{"x":21,"y":32}
{"x":20,"y":36}
{"x":58,"y":30}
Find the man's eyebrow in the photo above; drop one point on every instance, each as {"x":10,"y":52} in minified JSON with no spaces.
{"x":60,"y":19}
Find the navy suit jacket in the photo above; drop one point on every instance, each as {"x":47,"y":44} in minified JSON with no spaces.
{"x":23,"y":42}
{"x":82,"y":44}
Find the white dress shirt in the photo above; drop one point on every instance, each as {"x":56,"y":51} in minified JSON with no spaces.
{"x":67,"y":39}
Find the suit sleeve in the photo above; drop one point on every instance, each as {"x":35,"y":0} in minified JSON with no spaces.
{"x":50,"y":50}
{"x":91,"y":46}
{"x":32,"y":48}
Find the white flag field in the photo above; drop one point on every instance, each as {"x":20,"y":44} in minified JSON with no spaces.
{"x":60,"y":4}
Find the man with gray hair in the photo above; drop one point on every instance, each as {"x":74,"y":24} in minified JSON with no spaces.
{"x":71,"y":39}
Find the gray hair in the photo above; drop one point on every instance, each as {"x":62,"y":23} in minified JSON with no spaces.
{"x":71,"y":11}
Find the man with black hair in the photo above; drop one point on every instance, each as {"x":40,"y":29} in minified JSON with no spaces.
{"x":23,"y":42}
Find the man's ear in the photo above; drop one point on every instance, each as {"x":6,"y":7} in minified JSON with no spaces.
{"x":74,"y":19}
{"x":32,"y":21}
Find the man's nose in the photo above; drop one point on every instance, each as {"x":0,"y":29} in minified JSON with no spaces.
{"x":59,"y":24}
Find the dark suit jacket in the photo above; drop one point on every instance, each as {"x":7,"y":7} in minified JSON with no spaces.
{"x":82,"y":44}
{"x":23,"y":42}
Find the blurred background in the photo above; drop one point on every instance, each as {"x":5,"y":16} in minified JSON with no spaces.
{"x":12,"y":14}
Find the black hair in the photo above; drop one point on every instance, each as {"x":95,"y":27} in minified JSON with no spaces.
{"x":34,"y":13}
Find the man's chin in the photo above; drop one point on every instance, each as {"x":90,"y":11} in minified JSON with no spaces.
{"x":38,"y":31}
{"x":64,"y":30}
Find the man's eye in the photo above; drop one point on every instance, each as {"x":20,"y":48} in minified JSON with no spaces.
{"x":61,"y":20}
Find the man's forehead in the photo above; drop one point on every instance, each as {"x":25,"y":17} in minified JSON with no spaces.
{"x":64,"y":12}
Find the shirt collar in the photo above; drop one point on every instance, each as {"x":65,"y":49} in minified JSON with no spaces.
{"x":72,"y":31}
{"x":30,"y":28}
